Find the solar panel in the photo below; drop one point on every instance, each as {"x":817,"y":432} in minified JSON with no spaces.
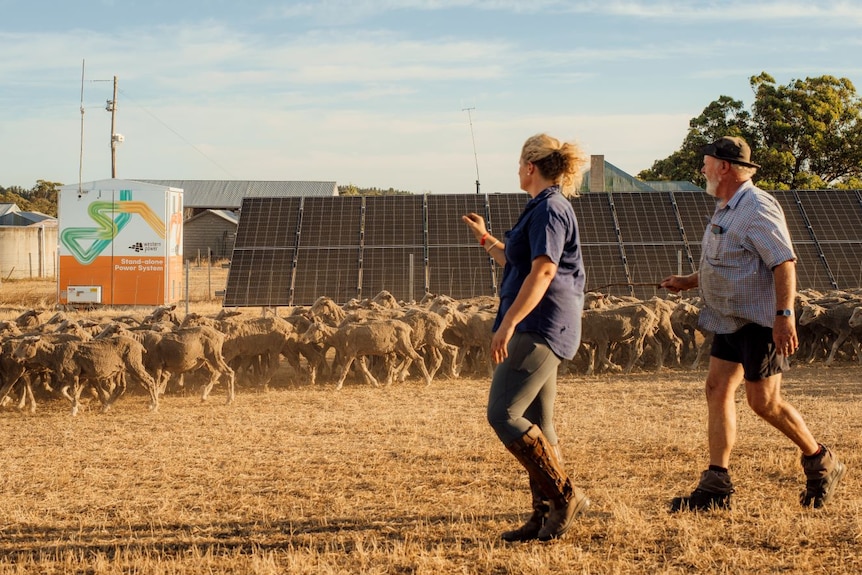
{"x":328,"y":271}
{"x":460,"y":272}
{"x":271,"y":222}
{"x":845,"y":262}
{"x":660,"y":227}
{"x":834,"y":215}
{"x":796,"y":225}
{"x":290,"y":251}
{"x":259,"y":277}
{"x":695,"y":210}
{"x":330,"y":222}
{"x":604,"y":269}
{"x":810,"y":269}
{"x":445,"y":227}
{"x":595,"y":220}
{"x":400,"y":271}
{"x":504,"y":210}
{"x":652,"y":263}
{"x":394,"y":221}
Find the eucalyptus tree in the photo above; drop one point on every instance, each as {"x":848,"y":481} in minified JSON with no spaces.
{"x":807,"y":134}
{"x":811,"y":131}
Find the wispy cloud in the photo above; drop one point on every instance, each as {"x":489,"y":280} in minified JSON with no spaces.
{"x":841,"y":12}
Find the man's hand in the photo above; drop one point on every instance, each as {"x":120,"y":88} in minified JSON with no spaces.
{"x":677,"y":284}
{"x":784,"y":335}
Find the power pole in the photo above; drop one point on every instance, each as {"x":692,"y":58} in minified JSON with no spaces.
{"x":116,"y":139}
{"x":472,"y":137}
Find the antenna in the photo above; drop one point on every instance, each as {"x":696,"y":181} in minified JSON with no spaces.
{"x":81,"y":158}
{"x":472,"y":137}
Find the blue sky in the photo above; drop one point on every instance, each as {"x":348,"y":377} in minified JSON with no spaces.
{"x":374,"y":93}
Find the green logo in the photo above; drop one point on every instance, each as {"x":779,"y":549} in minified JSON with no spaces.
{"x":110,"y":218}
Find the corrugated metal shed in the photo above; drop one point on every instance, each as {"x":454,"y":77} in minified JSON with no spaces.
{"x":227,"y":215}
{"x":210,"y":233}
{"x":228,"y":194}
{"x":18,"y":218}
{"x":616,"y":180}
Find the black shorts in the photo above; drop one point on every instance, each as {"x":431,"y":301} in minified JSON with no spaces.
{"x":751,"y":346}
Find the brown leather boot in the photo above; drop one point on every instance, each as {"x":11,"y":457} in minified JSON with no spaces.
{"x":538,"y":457}
{"x":530,"y":530}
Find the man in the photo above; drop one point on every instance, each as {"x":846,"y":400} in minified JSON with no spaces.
{"x":747,"y":280}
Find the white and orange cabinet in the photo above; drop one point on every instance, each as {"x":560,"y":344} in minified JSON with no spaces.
{"x":120,"y":243}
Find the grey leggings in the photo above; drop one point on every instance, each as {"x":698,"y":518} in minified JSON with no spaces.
{"x":523,"y":389}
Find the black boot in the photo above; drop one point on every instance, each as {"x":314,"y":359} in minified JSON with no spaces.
{"x":823,"y":473}
{"x":712,"y":492}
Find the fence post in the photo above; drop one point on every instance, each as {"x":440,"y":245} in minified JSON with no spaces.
{"x":187,"y":286}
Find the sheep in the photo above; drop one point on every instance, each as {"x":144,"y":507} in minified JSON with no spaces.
{"x":296,"y":349}
{"x":834,"y":318}
{"x":255,"y":345}
{"x":28,"y":319}
{"x":12,"y":372}
{"x":103,"y":363}
{"x":186,"y":350}
{"x":358,"y":341}
{"x":163,"y":313}
{"x":469,"y":330}
{"x":428,"y":329}
{"x":625,"y":324}
{"x":327,"y":310}
{"x":664,"y":340}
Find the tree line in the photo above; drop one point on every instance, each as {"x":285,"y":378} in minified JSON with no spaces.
{"x":43,"y":196}
{"x":40,"y":198}
{"x":806,"y":134}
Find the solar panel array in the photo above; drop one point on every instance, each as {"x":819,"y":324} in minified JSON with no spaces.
{"x":290,"y":251}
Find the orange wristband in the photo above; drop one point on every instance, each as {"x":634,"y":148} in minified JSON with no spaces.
{"x":482,"y":241}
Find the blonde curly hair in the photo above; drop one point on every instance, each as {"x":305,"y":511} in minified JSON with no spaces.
{"x":560,"y":162}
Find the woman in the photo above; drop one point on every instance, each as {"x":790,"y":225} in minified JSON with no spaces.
{"x":538,"y":324}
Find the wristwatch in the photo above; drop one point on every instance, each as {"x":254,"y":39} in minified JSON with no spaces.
{"x":784,"y":312}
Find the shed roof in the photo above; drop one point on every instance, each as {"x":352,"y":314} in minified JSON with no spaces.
{"x":617,"y":180}
{"x":18,"y":218}
{"x":229,"y":193}
{"x":673,"y":186}
{"x":8,"y":209}
{"x":226,"y":215}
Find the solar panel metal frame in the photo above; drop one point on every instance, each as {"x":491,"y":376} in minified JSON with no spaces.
{"x":289,"y":251}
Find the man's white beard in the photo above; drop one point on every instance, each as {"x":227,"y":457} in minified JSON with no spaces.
{"x":711,"y":187}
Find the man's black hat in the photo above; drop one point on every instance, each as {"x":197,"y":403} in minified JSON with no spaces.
{"x":730,"y":149}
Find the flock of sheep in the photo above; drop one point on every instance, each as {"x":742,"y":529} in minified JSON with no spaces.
{"x":49,"y":354}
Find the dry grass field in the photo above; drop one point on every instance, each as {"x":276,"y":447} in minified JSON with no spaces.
{"x":409,"y":479}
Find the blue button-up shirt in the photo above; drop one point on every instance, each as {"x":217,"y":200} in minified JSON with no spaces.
{"x":743,"y":242}
{"x":547,"y":227}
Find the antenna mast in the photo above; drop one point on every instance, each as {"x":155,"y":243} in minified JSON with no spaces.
{"x":472,"y":137}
